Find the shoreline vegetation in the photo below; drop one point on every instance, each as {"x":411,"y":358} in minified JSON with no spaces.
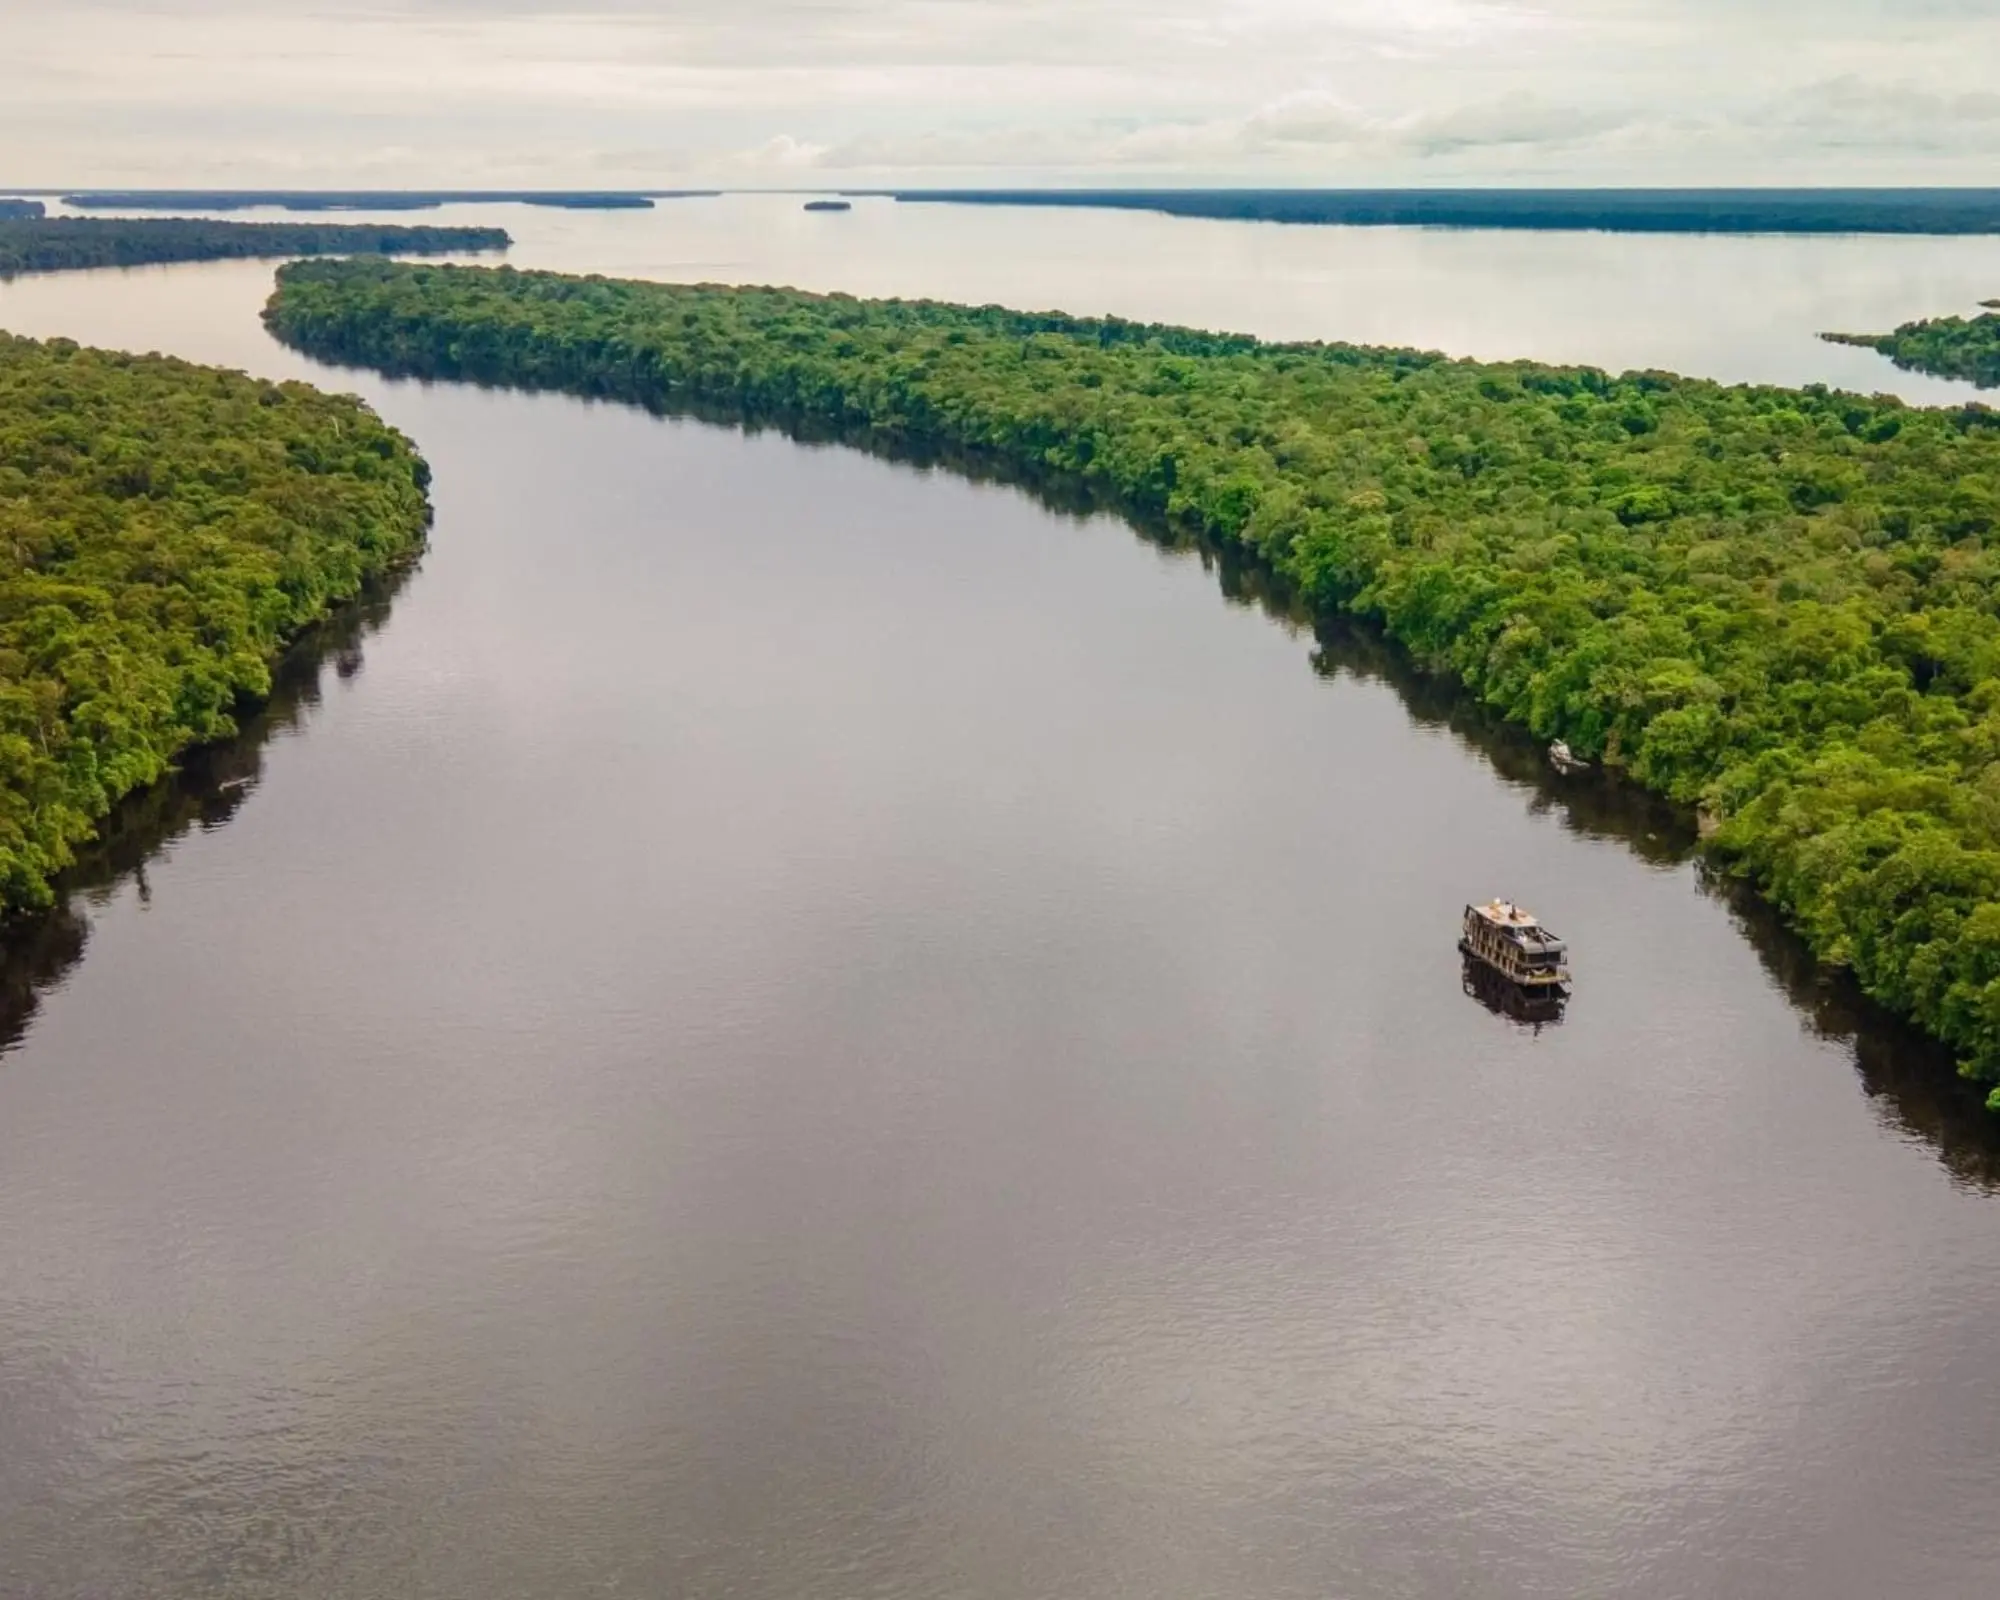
{"x":1926,"y":211}
{"x":74,"y":244}
{"x":22,"y":210}
{"x":372,"y":199}
{"x":165,"y":531}
{"x":1967,"y":348}
{"x":1773,"y":605}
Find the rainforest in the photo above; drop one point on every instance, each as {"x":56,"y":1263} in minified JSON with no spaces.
{"x":65,"y":244}
{"x":1773,"y":605}
{"x":1800,"y":211}
{"x":165,"y":529}
{"x":1967,"y":348}
{"x":367,"y":199}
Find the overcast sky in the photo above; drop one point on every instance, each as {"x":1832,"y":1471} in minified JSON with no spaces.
{"x":831,"y":92}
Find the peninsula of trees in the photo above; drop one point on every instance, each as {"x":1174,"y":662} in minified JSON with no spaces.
{"x":368,"y":199}
{"x":164,"y":530}
{"x":21,"y":210}
{"x":1777,"y":605}
{"x":1607,"y":210}
{"x":1945,"y":347}
{"x":64,"y":244}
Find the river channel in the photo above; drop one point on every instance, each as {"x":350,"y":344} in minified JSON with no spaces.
{"x":780,"y":1023}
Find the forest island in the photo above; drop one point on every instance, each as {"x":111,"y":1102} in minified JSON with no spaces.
{"x":1967,"y":348}
{"x":67,"y":244}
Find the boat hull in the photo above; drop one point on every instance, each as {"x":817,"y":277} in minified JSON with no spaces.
{"x":1555,"y":985}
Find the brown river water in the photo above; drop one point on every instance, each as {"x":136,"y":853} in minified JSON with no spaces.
{"x":776,"y":1023}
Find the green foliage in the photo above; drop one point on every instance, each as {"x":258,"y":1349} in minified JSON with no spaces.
{"x":1937,"y":211}
{"x":1777,"y":604}
{"x":1945,"y":347}
{"x":164,"y":529}
{"x":62,"y":244}
{"x":367,"y":199}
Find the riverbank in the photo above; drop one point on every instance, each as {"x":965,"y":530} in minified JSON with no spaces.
{"x":168,"y":529}
{"x":1767,"y":602}
{"x":1654,"y":211}
{"x":1944,"y":347}
{"x":68,"y":244}
{"x":370,"y":199}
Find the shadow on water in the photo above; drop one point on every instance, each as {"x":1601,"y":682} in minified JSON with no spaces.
{"x":210,"y":785}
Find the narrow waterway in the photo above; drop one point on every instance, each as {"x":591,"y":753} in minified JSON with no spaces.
{"x":776,"y":1023}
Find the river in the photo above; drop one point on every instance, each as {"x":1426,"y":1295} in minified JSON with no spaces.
{"x":777,"y":1023}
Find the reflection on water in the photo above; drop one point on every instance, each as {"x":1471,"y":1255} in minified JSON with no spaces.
{"x":1912,"y":1080}
{"x":1536,"y":1011}
{"x":209,"y":786}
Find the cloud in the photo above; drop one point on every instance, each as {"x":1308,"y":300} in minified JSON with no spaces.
{"x":1853,"y":113}
{"x":1296,"y":131}
{"x":781,"y":154}
{"x":670,"y":91}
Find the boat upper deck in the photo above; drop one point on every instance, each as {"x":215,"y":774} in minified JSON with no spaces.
{"x":1519,"y":927}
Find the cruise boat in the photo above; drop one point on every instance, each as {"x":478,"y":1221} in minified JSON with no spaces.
{"x":1513,"y":943}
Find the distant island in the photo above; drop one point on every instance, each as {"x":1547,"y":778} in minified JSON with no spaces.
{"x":68,"y":244}
{"x":369,"y":199}
{"x":1944,"y":347}
{"x":1935,"y":211}
{"x":829,"y":205}
{"x":21,"y":210}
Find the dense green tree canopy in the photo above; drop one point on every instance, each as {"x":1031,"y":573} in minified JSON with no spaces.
{"x":1945,"y":347}
{"x":1775,"y":604}
{"x":164,"y":529}
{"x":62,"y":244}
{"x":367,"y":199}
{"x":1940,"y":211}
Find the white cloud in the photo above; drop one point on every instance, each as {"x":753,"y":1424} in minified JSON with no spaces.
{"x":657,"y":92}
{"x":782,"y":154}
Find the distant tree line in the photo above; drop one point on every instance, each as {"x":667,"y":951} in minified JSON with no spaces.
{"x":21,"y":210}
{"x":164,"y":530}
{"x":365,"y":199}
{"x":1777,"y":605}
{"x":1944,"y":211}
{"x":1945,"y":347}
{"x":62,"y":244}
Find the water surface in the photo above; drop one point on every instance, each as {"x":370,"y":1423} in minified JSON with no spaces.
{"x":777,"y":1023}
{"x":1739,"y":309}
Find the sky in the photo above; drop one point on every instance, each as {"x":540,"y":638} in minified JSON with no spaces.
{"x":831,"y":93}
